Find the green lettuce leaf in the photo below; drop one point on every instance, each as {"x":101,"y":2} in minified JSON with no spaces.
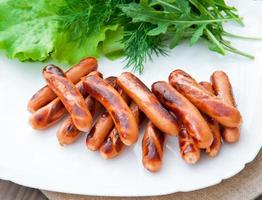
{"x":27,"y":28}
{"x":112,"y":47}
{"x":71,"y":52}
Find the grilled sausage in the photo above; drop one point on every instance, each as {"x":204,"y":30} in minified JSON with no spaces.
{"x":206,"y":86}
{"x":185,"y":111}
{"x":152,"y":148}
{"x":113,"y":145}
{"x":95,"y":73}
{"x":148,"y":103}
{"x":116,"y":106}
{"x":68,"y":133}
{"x":223,"y":90}
{"x":47,"y":115}
{"x":103,"y":125}
{"x":52,"y":112}
{"x":215,"y":147}
{"x":205,"y":101}
{"x":188,"y":148}
{"x":99,"y":131}
{"x":46,"y":95}
{"x":70,"y":96}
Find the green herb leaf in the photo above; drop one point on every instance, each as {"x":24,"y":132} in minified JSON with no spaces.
{"x":68,"y":52}
{"x":197,"y":34}
{"x":27,"y":28}
{"x":112,"y":46}
{"x":68,"y":30}
{"x":160,"y":29}
{"x":139,"y":46}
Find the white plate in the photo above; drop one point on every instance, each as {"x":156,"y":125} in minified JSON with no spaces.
{"x":35,"y":159}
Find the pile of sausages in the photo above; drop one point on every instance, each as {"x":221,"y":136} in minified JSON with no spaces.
{"x":200,"y":114}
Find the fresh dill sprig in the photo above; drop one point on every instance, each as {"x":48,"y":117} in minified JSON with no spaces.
{"x":74,"y":17}
{"x":139,"y":46}
{"x":82,"y":17}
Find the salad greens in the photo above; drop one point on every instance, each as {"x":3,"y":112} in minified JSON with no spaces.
{"x":28,"y":28}
{"x":68,"y":30}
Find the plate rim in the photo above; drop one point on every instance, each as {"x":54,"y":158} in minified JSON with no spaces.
{"x":115,"y":193}
{"x":30,"y":179}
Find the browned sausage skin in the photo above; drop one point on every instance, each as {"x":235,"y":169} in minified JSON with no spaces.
{"x":104,"y":123}
{"x":52,"y":112}
{"x":222,"y":87}
{"x":188,"y":148}
{"x":148,"y":103}
{"x":113,"y":145}
{"x":55,"y":110}
{"x":223,"y":90}
{"x":185,"y":111}
{"x":46,"y":95}
{"x":96,"y":73}
{"x":99,"y":131}
{"x":47,"y":115}
{"x":215,"y":147}
{"x":205,"y":101}
{"x":230,"y":135}
{"x":152,"y":148}
{"x":70,"y":97}
{"x":68,"y":133}
{"x":207,"y":86}
{"x":116,"y":106}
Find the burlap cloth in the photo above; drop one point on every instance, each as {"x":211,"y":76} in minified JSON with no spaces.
{"x":246,"y":185}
